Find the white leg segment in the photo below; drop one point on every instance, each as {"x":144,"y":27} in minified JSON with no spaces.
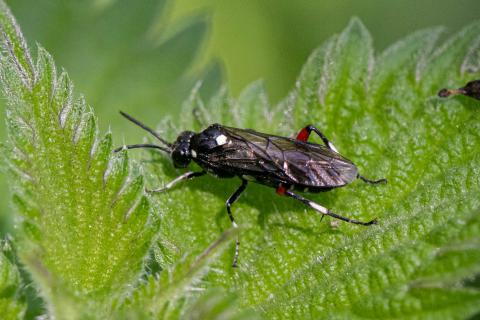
{"x":171,"y":184}
{"x":317,"y":207}
{"x":331,"y":146}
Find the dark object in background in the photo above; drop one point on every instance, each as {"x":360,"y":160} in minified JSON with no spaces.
{"x":471,"y":89}
{"x":282,"y":163}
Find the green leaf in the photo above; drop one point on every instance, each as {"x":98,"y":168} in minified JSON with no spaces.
{"x":124,"y":55}
{"x":11,"y":306}
{"x":86,"y":226}
{"x":168,"y":294}
{"x":381,"y":111}
{"x":217,"y":304}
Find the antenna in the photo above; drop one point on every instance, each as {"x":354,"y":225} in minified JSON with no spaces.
{"x":150,"y":130}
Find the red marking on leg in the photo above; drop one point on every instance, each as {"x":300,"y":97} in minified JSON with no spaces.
{"x":303,"y":135}
{"x":281,"y":190}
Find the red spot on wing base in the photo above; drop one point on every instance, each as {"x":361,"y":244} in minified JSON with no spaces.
{"x":303,"y":135}
{"x":281,"y":190}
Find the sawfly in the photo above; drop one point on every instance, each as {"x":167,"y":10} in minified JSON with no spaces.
{"x":286,"y":164}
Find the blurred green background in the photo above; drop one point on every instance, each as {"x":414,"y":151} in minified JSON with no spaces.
{"x":271,"y":39}
{"x":144,"y":57}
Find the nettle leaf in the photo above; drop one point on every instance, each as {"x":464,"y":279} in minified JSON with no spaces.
{"x":127,"y":55}
{"x":11,"y":304}
{"x":122,"y":54}
{"x":172,"y":293}
{"x":85,"y":224}
{"x":382,"y":112}
{"x":86,"y":227}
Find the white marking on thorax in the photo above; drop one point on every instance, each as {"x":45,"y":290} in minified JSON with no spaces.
{"x":221,"y":139}
{"x":194,"y":153}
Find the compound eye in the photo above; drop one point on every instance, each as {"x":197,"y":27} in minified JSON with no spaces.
{"x":181,"y":157}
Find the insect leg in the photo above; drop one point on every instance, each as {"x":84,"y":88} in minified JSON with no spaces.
{"x":185,"y":176}
{"x":383,"y":180}
{"x":304,"y":134}
{"x":229,"y":202}
{"x":325,"y":211}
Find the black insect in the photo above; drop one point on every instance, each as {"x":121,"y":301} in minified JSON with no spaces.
{"x":471,"y":89}
{"x":282,"y":163}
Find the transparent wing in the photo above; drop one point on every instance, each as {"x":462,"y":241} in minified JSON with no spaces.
{"x":284,"y":159}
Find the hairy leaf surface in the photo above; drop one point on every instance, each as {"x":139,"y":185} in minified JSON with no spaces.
{"x":382,"y":112}
{"x":86,"y":227}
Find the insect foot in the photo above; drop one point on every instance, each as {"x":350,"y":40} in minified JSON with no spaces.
{"x":471,"y":89}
